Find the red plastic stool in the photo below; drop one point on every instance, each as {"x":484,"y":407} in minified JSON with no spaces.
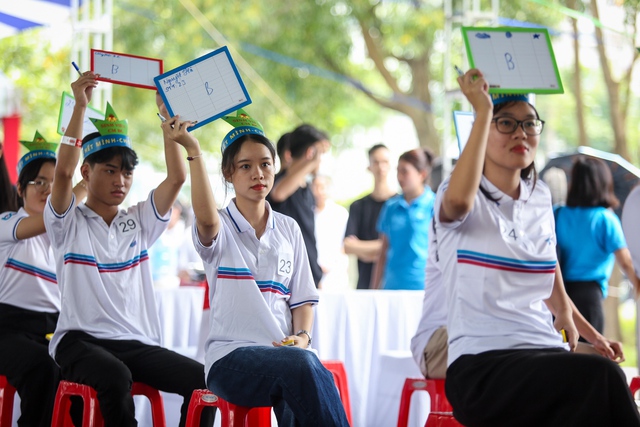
{"x":157,"y":407}
{"x":441,"y":412}
{"x":634,"y":386}
{"x":91,"y":416}
{"x":336,"y":367}
{"x":7,"y":393}
{"x":231,"y":415}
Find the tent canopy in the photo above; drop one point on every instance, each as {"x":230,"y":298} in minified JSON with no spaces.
{"x":20,"y":15}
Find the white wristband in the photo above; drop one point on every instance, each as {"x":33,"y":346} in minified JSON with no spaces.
{"x":74,"y":142}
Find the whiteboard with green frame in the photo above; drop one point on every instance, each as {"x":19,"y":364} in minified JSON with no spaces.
{"x":514,"y":59}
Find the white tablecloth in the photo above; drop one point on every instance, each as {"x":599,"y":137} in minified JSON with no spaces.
{"x":365,"y":328}
{"x":180,"y":311}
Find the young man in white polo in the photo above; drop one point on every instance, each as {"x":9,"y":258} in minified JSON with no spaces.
{"x":108,"y":334}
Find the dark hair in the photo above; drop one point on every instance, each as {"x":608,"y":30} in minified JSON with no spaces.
{"x":591,"y":184}
{"x":528,"y":173}
{"x":376,"y":148}
{"x":29,"y":173}
{"x":129,"y":157}
{"x":303,"y":137}
{"x":421,"y":159}
{"x":8,"y":194}
{"x":229,"y":155}
{"x":283,"y":146}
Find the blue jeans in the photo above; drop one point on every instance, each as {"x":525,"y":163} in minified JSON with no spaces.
{"x":292,"y":380}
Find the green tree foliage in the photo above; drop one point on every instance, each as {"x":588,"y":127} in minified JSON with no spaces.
{"x":37,"y":69}
{"x":337,"y":64}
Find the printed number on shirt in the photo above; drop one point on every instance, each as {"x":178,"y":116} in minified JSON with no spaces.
{"x":285,"y":264}
{"x":127,"y":226}
{"x":513,"y":235}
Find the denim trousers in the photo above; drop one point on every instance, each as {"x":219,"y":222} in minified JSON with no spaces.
{"x":291,"y":380}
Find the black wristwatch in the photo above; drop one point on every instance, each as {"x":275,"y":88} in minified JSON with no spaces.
{"x":302,"y":331}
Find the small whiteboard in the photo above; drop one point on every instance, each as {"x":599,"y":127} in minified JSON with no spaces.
{"x":631,"y":225}
{"x":204,"y":89}
{"x":66,"y":109}
{"x":125,"y":69}
{"x":513,"y":60}
{"x":463,"y":121}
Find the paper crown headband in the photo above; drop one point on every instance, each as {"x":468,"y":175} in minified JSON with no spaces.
{"x":113,"y":133}
{"x":242,"y":124}
{"x":499,"y":98}
{"x":38,"y":149}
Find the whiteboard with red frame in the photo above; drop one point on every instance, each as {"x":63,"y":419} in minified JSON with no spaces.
{"x":125,"y":69}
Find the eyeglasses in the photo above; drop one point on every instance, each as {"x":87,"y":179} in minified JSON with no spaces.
{"x":41,"y":185}
{"x":508,"y":125}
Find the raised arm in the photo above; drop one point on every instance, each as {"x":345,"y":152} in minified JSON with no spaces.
{"x":33,"y":225}
{"x":167,"y":192}
{"x":465,"y":179}
{"x":69,"y":154}
{"x":202,"y":200}
{"x":297,"y":172}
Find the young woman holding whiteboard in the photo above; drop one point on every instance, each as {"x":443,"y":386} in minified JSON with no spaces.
{"x":508,"y":364}
{"x":261,"y":289}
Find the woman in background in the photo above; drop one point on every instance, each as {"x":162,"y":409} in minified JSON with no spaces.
{"x":403,"y":226}
{"x":590,"y":238}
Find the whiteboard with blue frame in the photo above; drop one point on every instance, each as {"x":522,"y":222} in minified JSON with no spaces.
{"x":204,"y":89}
{"x":514,"y":60}
{"x":463,"y":122}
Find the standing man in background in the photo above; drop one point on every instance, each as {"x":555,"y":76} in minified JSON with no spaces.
{"x":361,"y":236}
{"x":291,"y":194}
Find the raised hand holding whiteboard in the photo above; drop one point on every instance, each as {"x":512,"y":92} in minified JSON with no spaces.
{"x":124,"y":69}
{"x":204,"y":89}
{"x":66,"y":109}
{"x":513,"y":60}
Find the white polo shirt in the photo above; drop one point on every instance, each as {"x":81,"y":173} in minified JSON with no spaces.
{"x":253,"y":284}
{"x":434,"y":304}
{"x":498,"y":265}
{"x":28,"y":277}
{"x":104,"y":273}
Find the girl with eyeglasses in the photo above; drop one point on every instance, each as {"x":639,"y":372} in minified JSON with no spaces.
{"x":29,"y":295}
{"x":507,"y":362}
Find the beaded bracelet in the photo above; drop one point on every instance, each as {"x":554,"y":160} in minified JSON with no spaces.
{"x":194,"y":157}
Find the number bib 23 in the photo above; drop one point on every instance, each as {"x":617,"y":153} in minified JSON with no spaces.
{"x":285,"y":264}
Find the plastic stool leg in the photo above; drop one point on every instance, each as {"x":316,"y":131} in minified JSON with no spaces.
{"x":7,"y":394}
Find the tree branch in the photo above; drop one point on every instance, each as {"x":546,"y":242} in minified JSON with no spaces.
{"x":377,"y":57}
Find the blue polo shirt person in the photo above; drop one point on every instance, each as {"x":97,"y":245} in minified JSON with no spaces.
{"x":403,"y":226}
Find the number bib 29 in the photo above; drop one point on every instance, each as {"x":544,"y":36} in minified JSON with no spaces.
{"x":127,"y":225}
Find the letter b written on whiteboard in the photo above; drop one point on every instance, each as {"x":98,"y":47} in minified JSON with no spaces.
{"x":509,"y":60}
{"x":207,"y":88}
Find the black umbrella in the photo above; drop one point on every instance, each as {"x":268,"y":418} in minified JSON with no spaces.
{"x":625,"y":175}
